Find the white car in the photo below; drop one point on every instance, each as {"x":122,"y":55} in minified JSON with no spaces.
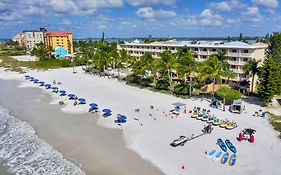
{"x":180,"y":141}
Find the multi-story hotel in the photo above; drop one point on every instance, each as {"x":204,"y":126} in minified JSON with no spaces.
{"x":59,"y":39}
{"x":33,"y":37}
{"x":19,"y":38}
{"x":237,"y":52}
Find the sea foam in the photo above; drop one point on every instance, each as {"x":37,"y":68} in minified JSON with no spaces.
{"x":25,"y":153}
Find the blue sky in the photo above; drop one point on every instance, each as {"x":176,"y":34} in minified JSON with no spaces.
{"x":140,"y":18}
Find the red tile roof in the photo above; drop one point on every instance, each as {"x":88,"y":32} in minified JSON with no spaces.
{"x":59,"y":33}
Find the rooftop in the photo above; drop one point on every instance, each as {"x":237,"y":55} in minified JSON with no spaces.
{"x":222,"y":44}
{"x":59,"y":33}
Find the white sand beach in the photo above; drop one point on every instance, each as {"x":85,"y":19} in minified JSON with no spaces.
{"x":152,"y":139}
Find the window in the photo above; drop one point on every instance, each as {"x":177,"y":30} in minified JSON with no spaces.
{"x":154,"y":47}
{"x":234,"y":51}
{"x":246,"y":51}
{"x":195,"y":49}
{"x":214,"y":50}
{"x":173,"y":48}
{"x":234,"y":59}
{"x":195,"y":56}
{"x":204,"y":50}
{"x":233,"y":67}
{"x":245,"y":59}
{"x":204,"y":57}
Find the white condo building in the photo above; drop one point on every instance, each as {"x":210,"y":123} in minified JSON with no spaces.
{"x":33,"y":37}
{"x":238,"y":52}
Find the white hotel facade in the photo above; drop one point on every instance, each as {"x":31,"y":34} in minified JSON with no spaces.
{"x":237,"y":52}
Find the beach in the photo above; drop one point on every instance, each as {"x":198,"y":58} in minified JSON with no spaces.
{"x":93,"y":148}
{"x":149,"y":136}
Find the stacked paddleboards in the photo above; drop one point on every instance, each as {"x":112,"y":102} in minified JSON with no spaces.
{"x":222,"y":155}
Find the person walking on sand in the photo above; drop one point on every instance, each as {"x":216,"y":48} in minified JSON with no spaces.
{"x":54,"y":82}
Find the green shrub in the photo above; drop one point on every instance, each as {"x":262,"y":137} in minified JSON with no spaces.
{"x":228,"y":93}
{"x":162,"y":84}
{"x":132,"y":79}
{"x":146,"y":81}
{"x":181,"y":89}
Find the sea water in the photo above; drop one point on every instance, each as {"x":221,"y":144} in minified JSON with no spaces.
{"x":24,"y":153}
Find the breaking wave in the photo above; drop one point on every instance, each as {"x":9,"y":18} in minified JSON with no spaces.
{"x":24,"y":153}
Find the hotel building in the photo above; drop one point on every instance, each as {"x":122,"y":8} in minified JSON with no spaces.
{"x":19,"y":38}
{"x":33,"y":37}
{"x":237,"y":52}
{"x":59,"y":39}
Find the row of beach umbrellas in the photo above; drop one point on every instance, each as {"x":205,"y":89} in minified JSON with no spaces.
{"x":93,"y":106}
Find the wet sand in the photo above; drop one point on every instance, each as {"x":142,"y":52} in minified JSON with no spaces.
{"x":99,"y":150}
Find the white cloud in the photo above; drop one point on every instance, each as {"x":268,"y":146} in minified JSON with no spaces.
{"x":252,"y":14}
{"x":150,"y":13}
{"x":137,"y":3}
{"x":227,"y":5}
{"x":267,"y":3}
{"x":208,"y":18}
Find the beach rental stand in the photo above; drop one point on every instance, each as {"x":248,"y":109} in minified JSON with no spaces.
{"x":236,"y":106}
{"x":178,"y":107}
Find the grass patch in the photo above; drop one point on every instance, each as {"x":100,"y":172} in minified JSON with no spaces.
{"x":276,"y":123}
{"x":14,"y":65}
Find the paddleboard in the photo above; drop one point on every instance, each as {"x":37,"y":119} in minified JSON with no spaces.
{"x":211,"y":154}
{"x":232,"y":159}
{"x":230,"y":146}
{"x":224,"y":158}
{"x":222,"y":145}
{"x":218,"y":156}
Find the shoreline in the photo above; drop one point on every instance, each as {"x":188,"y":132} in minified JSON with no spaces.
{"x":89,"y":149}
{"x":151,"y":140}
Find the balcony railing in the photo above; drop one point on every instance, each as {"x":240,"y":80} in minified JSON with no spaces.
{"x":233,"y":62}
{"x":238,"y":71}
{"x":246,"y":54}
{"x":233,"y":54}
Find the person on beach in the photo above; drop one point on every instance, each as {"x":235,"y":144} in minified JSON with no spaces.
{"x":54,"y":82}
{"x":75,"y":103}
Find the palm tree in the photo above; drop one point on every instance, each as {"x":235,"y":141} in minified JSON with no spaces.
{"x":167,"y":65}
{"x":212,"y":70}
{"x":186,"y":66}
{"x":252,"y":68}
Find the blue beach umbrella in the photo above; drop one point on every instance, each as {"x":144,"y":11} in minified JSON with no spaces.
{"x":35,"y":81}
{"x":71,"y":95}
{"x":122,"y":117}
{"x":93,"y":105}
{"x":41,"y":83}
{"x":106,"y":110}
{"x":54,"y":88}
{"x":81,"y":99}
{"x":31,"y":78}
{"x":62,"y":91}
{"x":26,"y":76}
{"x":48,"y":86}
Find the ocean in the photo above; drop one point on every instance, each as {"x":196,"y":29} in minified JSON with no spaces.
{"x":23,"y":152}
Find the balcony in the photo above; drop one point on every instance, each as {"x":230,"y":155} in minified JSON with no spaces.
{"x":246,"y":54}
{"x":233,"y":54}
{"x":238,"y":71}
{"x":204,"y":53}
{"x":233,"y":62}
